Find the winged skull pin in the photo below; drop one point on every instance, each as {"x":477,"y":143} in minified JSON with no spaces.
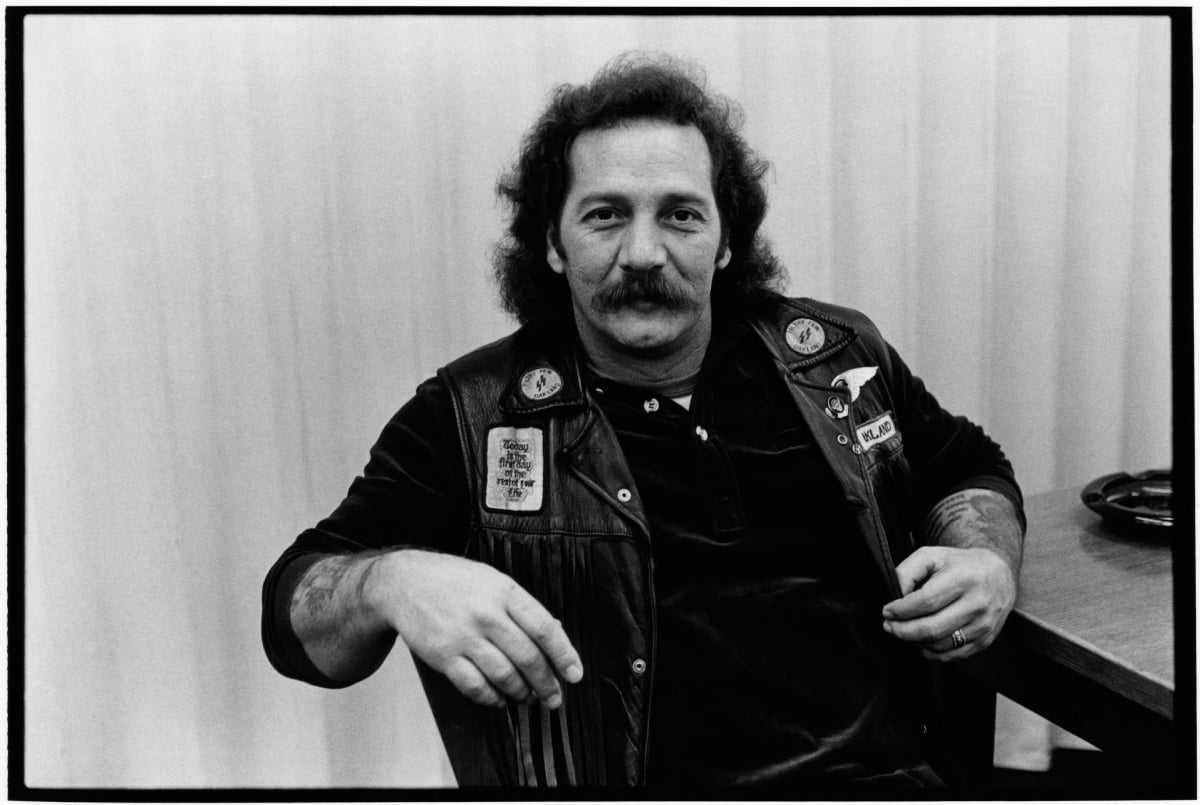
{"x":853,"y":380}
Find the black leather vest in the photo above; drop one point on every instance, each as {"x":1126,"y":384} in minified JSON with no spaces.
{"x":556,"y":508}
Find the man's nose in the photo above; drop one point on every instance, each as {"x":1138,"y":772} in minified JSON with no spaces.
{"x":642,"y":248}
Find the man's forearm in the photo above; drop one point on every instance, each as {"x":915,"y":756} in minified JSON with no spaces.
{"x":978,"y":518}
{"x":330,"y":616}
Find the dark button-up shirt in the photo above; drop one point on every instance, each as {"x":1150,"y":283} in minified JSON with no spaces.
{"x":771,"y":663}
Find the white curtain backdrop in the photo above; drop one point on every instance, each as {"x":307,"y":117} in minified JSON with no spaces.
{"x":250,"y":237}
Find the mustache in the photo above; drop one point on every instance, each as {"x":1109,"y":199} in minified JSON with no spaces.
{"x":648,"y":286}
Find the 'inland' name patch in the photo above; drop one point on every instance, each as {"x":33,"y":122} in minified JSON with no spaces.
{"x":878,"y":430}
{"x":516,"y":474}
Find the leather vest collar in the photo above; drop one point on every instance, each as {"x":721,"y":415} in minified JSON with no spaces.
{"x":772,"y":326}
{"x":553,"y":354}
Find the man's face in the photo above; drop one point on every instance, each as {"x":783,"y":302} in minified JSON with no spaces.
{"x":641,"y":236}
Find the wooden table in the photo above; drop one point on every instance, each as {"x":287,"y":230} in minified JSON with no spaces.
{"x":1090,"y":644}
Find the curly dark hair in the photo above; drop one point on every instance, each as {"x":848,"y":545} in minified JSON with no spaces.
{"x":632,"y":86}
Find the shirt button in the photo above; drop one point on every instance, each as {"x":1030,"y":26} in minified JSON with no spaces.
{"x":624,"y":495}
{"x":702,"y":433}
{"x":639,"y":666}
{"x":842,"y":439}
{"x":651,"y":405}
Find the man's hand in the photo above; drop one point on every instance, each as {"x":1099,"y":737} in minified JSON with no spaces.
{"x":965,"y":584}
{"x":474,"y":624}
{"x":970,"y":589}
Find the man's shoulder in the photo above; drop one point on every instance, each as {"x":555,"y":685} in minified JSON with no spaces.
{"x":530,"y":342}
{"x":847,"y":317}
{"x":840,"y":324}
{"x":527,"y":371}
{"x":487,"y":357}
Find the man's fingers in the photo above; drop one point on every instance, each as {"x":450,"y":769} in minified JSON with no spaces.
{"x":948,"y":643}
{"x":916,"y":569}
{"x":974,"y":640}
{"x":529,"y":661}
{"x":931,"y":628}
{"x":933,"y":597}
{"x":934,"y":635}
{"x":500,"y":672}
{"x":924,"y":586}
{"x":547,"y":633}
{"x":471,"y":682}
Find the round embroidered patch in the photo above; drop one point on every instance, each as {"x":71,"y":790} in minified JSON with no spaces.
{"x":805,"y":336}
{"x":540,"y":383}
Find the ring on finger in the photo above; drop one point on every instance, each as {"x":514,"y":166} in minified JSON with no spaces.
{"x":958,"y":638}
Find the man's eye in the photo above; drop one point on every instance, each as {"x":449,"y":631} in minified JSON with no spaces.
{"x":684,"y":216}
{"x":602,"y":216}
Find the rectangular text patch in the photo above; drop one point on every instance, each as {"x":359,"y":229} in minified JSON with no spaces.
{"x":515,"y":472}
{"x":879,"y":429}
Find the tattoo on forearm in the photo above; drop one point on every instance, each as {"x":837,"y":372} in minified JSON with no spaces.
{"x":329,"y":617}
{"x":976,"y":518}
{"x":314,"y":594}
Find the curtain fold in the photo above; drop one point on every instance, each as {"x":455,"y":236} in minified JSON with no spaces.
{"x":248,"y":238}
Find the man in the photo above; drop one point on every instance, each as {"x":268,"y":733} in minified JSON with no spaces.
{"x":677,"y":529}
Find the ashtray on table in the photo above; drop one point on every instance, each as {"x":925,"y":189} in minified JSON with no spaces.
{"x":1142,"y":501}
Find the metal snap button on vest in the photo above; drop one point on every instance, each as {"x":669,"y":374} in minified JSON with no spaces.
{"x":702,"y":433}
{"x":639,"y":666}
{"x":624,"y":495}
{"x":651,"y":405}
{"x":842,"y":439}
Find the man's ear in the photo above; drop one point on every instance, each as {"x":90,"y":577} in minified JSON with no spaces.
{"x":553,"y":256}
{"x":724,"y":259}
